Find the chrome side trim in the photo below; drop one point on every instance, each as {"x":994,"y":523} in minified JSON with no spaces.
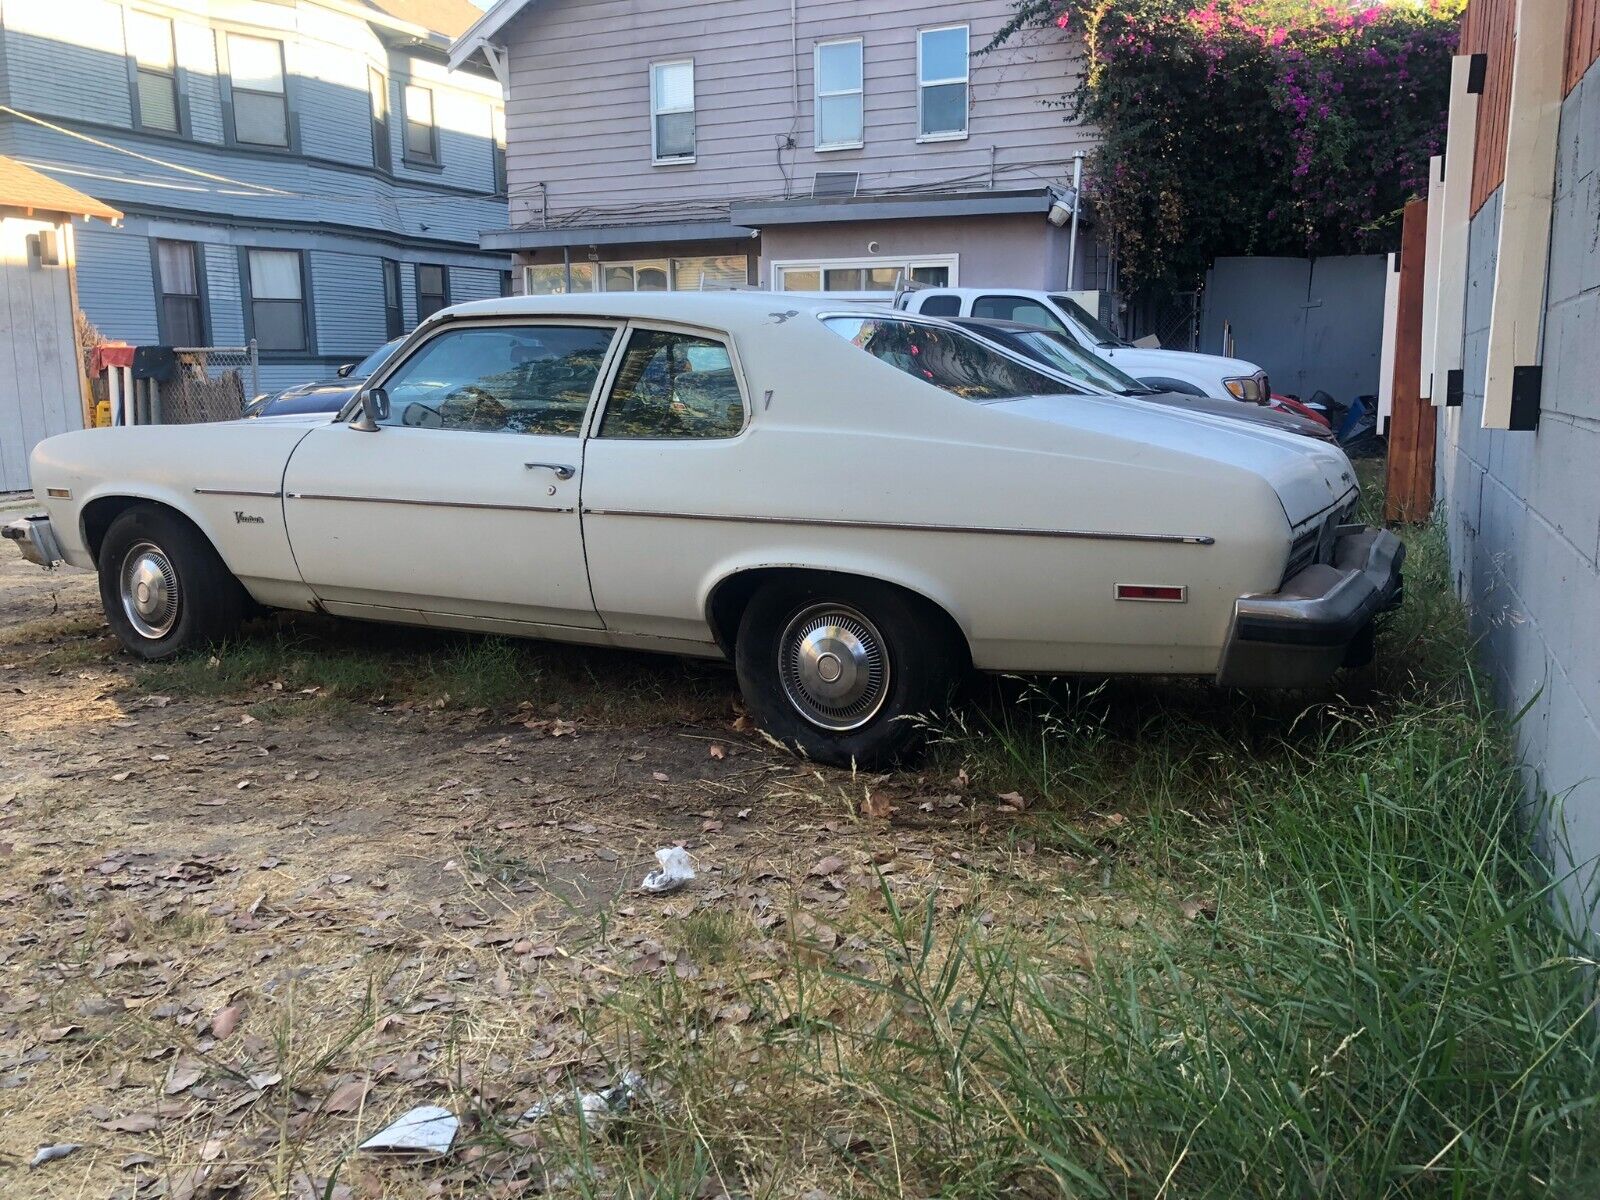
{"x":1187,"y":539}
{"x":538,"y":508}
{"x":236,"y":492}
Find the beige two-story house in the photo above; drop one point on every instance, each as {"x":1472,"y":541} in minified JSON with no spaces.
{"x":786,"y":144}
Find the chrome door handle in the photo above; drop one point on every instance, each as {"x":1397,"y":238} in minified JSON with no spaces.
{"x":561,"y":469}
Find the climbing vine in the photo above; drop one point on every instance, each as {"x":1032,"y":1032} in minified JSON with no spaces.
{"x":1253,"y":126}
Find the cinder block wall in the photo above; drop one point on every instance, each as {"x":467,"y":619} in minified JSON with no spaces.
{"x":1522,"y":510}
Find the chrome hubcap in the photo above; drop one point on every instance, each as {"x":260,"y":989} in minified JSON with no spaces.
{"x":149,"y":588}
{"x":833,"y":666}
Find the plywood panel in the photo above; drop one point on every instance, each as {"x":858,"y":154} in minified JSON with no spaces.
{"x":1409,"y":495}
{"x":1489,"y":28}
{"x":1583,"y":40}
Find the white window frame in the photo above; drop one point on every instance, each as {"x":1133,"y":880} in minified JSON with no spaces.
{"x":951,"y":262}
{"x":597,"y":276}
{"x":818,"y":95}
{"x":657,"y":111}
{"x":964,"y":78}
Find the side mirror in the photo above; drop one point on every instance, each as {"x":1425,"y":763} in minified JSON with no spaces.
{"x":345,"y":370}
{"x":374,"y":404}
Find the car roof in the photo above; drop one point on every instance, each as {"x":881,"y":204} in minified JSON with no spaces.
{"x":716,"y":309}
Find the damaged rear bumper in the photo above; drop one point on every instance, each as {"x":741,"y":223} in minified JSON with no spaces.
{"x":1299,"y":635}
{"x":35,"y":539}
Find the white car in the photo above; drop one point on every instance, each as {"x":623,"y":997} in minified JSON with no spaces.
{"x":1165,"y":370}
{"x":855,"y":507}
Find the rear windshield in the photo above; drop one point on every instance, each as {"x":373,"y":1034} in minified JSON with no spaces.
{"x":1064,"y":354}
{"x":947,"y":358}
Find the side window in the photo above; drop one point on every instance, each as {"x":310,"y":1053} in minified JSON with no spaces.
{"x":1015,"y":308}
{"x":673,"y":385}
{"x":941,"y":306}
{"x":500,"y":379}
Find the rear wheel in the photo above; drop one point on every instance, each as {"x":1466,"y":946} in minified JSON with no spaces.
{"x":163,"y":586}
{"x":841,"y":670}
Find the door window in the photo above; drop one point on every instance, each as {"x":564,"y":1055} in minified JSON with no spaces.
{"x":500,"y":379}
{"x":674,"y":385}
{"x":1016,"y":308}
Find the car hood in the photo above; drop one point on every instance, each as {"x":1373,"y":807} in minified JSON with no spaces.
{"x":1309,"y":476}
{"x":1238,"y":410}
{"x":1185,"y":361}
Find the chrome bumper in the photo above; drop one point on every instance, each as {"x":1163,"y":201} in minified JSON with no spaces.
{"x":35,"y":540}
{"x":1301,"y":634}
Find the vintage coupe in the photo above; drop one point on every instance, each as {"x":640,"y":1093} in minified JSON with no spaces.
{"x":855,"y":505}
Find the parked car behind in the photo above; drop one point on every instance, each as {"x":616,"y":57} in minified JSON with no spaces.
{"x":1167,"y":370}
{"x":854,"y":506}
{"x":322,"y":395}
{"x":1057,"y":352}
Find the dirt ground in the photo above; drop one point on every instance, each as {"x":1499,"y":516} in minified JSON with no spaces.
{"x":236,"y":938}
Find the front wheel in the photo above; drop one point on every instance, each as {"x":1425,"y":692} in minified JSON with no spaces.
{"x":163,"y":586}
{"x":843,"y":671}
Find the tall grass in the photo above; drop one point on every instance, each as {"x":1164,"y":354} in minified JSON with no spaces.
{"x":1344,"y":971}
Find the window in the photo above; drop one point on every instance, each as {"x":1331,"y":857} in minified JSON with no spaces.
{"x":942,"y":82}
{"x":178,"y":285}
{"x":155,"y":74}
{"x":672,"y":111}
{"x":673,"y":385}
{"x":422,"y":135}
{"x":378,"y":94}
{"x":1100,"y":332}
{"x":1016,"y":308}
{"x":260,"y":107}
{"x":1061,"y":351}
{"x":277,"y":299}
{"x":394,"y":317}
{"x":550,"y":279}
{"x":500,"y":379}
{"x":941,"y":306}
{"x":863,"y":274}
{"x":950,"y":360}
{"x":433,"y":291}
{"x":636,"y":277}
{"x":710,"y":273}
{"x":839,"y":95}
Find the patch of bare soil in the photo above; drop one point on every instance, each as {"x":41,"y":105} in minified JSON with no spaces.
{"x":232,"y":946}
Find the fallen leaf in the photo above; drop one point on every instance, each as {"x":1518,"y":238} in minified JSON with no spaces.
{"x":59,"y":1033}
{"x":1013,"y":800}
{"x":226,"y":1019}
{"x":183,"y":1075}
{"x":347,"y":1097}
{"x":718,"y":751}
{"x":132,"y":1123}
{"x":876,"y":805}
{"x":826,"y":866}
{"x":660,"y":776}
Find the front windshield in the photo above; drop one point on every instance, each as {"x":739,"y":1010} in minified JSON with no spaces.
{"x":1068,"y":357}
{"x":376,"y":359}
{"x":947,"y":358}
{"x":1101,"y":334}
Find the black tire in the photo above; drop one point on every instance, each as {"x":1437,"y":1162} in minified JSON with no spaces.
{"x":174,"y":560}
{"x":921,"y":661}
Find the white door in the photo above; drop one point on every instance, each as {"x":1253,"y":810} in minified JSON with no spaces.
{"x":465,"y":502}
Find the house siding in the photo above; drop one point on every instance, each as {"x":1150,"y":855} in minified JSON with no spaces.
{"x":578,"y":106}
{"x":1522,"y":510}
{"x":66,"y":64}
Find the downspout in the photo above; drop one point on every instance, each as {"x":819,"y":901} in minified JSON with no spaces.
{"x":1077,"y":203}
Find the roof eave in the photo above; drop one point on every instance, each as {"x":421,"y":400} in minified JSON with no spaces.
{"x":481,"y":33}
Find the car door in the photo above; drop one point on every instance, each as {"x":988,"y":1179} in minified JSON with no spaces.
{"x":465,"y":501}
{"x":666,"y":459}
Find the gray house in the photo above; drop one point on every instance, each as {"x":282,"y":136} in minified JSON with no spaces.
{"x":808,"y":145}
{"x":309,"y":174}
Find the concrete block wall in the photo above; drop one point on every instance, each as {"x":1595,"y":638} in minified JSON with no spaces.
{"x":1522,"y":511}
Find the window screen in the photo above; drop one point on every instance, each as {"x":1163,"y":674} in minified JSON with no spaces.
{"x":674,"y":385}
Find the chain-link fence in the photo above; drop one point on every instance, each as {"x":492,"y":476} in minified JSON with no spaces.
{"x":208,"y":383}
{"x":1172,"y":317}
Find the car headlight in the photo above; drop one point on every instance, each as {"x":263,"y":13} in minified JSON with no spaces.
{"x":1242,"y":387}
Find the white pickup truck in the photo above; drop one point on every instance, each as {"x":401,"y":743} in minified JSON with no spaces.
{"x":1167,"y":370}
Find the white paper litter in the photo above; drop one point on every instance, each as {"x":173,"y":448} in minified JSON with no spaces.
{"x":598,"y":1108}
{"x":47,"y":1153}
{"x":425,"y":1130}
{"x":674,"y":871}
